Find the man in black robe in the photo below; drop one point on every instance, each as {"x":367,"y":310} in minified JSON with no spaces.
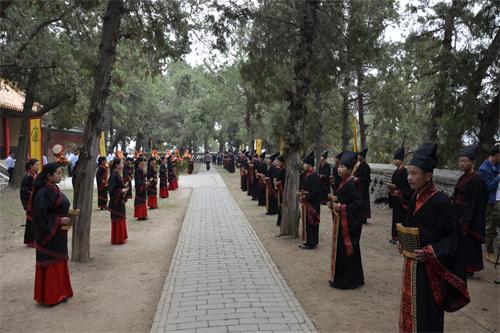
{"x":280,"y":184}
{"x":261,"y":175}
{"x":469,"y":205}
{"x":399,"y":193}
{"x":271,"y":192}
{"x":362,"y":175}
{"x":431,"y":240}
{"x":347,"y":268}
{"x":310,"y":199}
{"x":255,"y":181}
{"x":244,"y":170}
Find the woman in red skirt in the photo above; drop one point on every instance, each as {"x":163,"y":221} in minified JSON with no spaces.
{"x":50,"y":211}
{"x":140,"y":209}
{"x":117,"y":198}
{"x":172,"y":178}
{"x":163,"y":178}
{"x":27,"y":187}
{"x":153,"y":182}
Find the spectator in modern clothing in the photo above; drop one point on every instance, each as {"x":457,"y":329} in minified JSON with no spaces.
{"x":45,"y":161}
{"x":10,"y":162}
{"x":489,"y":171}
{"x":208,"y":159}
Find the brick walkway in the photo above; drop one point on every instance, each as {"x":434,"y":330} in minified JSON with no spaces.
{"x":221,"y":278}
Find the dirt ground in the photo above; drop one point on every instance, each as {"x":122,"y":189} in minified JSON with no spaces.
{"x":375,"y":306}
{"x":118,"y":291}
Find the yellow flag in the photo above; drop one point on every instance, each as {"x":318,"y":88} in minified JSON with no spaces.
{"x":282,"y":146}
{"x":102,"y":145}
{"x":36,"y":139}
{"x":258,"y":146}
{"x":355,"y":127}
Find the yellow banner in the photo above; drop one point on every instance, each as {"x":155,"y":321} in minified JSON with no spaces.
{"x":355,"y":127}
{"x":258,"y":146}
{"x":36,"y":139}
{"x":282,"y":146}
{"x":102,"y":145}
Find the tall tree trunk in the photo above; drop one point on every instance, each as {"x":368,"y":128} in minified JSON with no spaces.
{"x":345,"y":113}
{"x":361,"y":109}
{"x":250,"y":109}
{"x":87,"y":161}
{"x":297,"y":110}
{"x":140,"y":141}
{"x":488,"y":129}
{"x":442,"y":96}
{"x":112,"y":141}
{"x":24,"y":132}
{"x":319,"y":128}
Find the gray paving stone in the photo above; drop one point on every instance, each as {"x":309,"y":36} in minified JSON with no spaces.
{"x":221,"y":278}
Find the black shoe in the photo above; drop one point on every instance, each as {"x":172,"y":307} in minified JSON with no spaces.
{"x":307,"y":247}
{"x":143,"y":219}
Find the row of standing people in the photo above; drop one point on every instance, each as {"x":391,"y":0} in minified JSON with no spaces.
{"x":439,"y":238}
{"x":47,"y":210}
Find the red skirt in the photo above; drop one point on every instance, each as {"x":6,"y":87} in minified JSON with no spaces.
{"x":164,"y":192}
{"x":152,"y":201}
{"x":175,"y":185}
{"x":141,"y":211}
{"x":119,"y":231}
{"x":52,"y":284}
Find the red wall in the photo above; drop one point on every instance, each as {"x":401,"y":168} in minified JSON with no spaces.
{"x":52,"y":137}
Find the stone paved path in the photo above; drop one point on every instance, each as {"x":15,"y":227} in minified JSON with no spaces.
{"x":221,"y":278}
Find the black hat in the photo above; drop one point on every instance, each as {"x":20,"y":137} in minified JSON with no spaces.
{"x":425,"y":157}
{"x":244,"y":151}
{"x":363,"y":153}
{"x":399,"y":154}
{"x":274,"y":156}
{"x":130,"y":158}
{"x":101,"y":159}
{"x":348,"y":159}
{"x":325,"y":154}
{"x":281,"y":158}
{"x":339,"y":156}
{"x":263,"y":155}
{"x":247,"y":153}
{"x":469,"y":152}
{"x":309,"y":159}
{"x":162,"y":158}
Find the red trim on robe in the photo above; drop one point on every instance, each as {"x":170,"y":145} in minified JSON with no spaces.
{"x":345,"y":230}
{"x":423,"y":197}
{"x":437,"y":273}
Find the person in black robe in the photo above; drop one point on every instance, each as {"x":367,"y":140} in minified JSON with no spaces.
{"x":163,"y":178}
{"x":362,"y":175}
{"x":271,"y":192}
{"x":172,"y":177}
{"x":152,"y":190}
{"x":335,"y":178}
{"x":280,"y":184}
{"x":141,"y":184}
{"x":50,"y":218}
{"x":399,"y":193}
{"x":74,"y":175}
{"x":347,"y":268}
{"x":324,"y":172}
{"x":102,"y":183}
{"x":310,"y":199}
{"x":470,"y":198}
{"x":431,"y":239}
{"x":117,"y":198}
{"x":231,"y":162}
{"x":244,"y":171}
{"x":251,"y":176}
{"x":26,"y":194}
{"x":256,"y":179}
{"x":128,"y":173}
{"x":261,"y":176}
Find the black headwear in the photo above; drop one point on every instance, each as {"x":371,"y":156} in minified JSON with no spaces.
{"x":325,"y":154}
{"x":469,"y":152}
{"x":101,"y":159}
{"x":274,"y":156}
{"x":363,"y":153}
{"x":281,"y":158}
{"x":130,"y":158}
{"x":309,"y":159}
{"x":263,"y":155}
{"x":400,"y":154}
{"x":348,"y":159}
{"x":425,"y":157}
{"x":339,"y":156}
